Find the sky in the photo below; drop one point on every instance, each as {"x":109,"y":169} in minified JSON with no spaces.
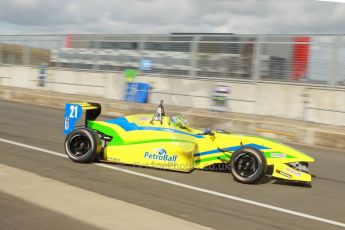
{"x":166,"y":16}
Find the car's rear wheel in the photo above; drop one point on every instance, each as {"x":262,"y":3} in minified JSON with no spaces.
{"x":248,"y":165}
{"x":82,"y":145}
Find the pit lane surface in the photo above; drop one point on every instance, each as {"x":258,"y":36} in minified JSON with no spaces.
{"x":42,"y":127}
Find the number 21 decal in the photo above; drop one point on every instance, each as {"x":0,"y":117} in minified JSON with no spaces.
{"x":73,"y":111}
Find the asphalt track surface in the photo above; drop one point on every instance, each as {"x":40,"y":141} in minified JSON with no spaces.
{"x":43,"y":127}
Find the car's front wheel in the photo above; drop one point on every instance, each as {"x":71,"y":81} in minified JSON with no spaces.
{"x":82,"y":145}
{"x":248,"y":165}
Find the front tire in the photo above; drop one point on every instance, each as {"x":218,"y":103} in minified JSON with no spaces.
{"x":82,"y":145}
{"x":248,"y":165}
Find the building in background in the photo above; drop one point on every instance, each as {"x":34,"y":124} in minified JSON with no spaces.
{"x":189,"y":54}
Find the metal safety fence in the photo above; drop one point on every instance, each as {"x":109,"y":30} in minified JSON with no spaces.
{"x":318,"y":59}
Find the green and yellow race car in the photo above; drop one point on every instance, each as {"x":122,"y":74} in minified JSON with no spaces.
{"x":159,"y":141}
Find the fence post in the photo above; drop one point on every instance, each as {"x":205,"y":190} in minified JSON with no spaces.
{"x":57,"y":50}
{"x":97,"y":54}
{"x":141,"y":44}
{"x":1,"y":61}
{"x":194,"y":55}
{"x":26,"y":53}
{"x":256,"y":70}
{"x":141,"y":51}
{"x":333,"y":72}
{"x":256,"y":73}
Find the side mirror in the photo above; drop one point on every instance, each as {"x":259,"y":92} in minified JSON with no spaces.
{"x":207,"y":131}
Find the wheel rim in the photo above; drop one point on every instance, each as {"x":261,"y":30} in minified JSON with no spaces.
{"x":79,"y":145}
{"x":246,"y":165}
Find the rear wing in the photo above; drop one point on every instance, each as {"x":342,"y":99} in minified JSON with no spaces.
{"x":74,"y":111}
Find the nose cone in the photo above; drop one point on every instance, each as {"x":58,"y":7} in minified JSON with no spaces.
{"x":298,"y":155}
{"x":293,"y":155}
{"x":308,"y":158}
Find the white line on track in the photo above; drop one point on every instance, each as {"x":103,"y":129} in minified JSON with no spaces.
{"x":178,"y":184}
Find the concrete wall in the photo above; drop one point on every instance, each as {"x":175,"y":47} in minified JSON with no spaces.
{"x":321,"y":104}
{"x":268,"y":99}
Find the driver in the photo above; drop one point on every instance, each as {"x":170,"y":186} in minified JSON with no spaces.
{"x":158,"y":116}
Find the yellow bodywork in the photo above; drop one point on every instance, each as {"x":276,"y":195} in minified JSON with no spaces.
{"x":139,"y":141}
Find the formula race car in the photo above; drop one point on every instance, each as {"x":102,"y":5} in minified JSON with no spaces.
{"x":159,"y":141}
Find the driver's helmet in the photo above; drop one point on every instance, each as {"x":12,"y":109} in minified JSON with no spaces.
{"x":179,"y":121}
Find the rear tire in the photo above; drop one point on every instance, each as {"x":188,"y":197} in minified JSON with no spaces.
{"x":248,"y":165}
{"x":82,"y":145}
